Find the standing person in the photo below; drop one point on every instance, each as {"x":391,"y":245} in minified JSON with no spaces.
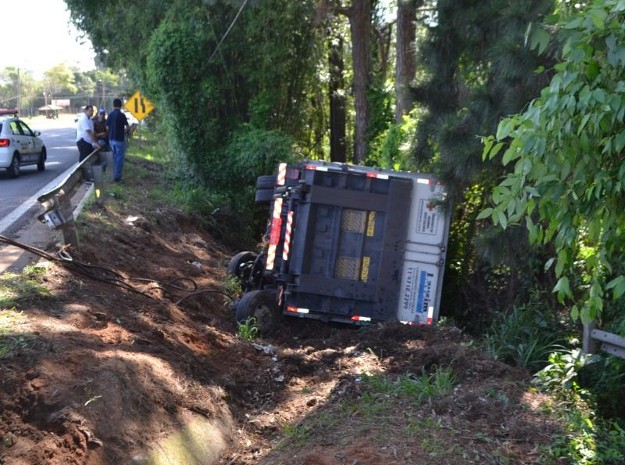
{"x":86,"y":140}
{"x":100,"y":129}
{"x":117,"y":124}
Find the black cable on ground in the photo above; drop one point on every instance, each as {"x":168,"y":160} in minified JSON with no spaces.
{"x":109,"y":276}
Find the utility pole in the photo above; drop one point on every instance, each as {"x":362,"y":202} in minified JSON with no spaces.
{"x":18,"y":89}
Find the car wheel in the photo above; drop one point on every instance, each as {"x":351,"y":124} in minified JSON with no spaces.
{"x":14,"y":169}
{"x":41,"y":164}
{"x":265,"y":182}
{"x":262,"y":306}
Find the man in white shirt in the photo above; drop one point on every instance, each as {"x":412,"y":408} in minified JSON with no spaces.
{"x":86,"y":140}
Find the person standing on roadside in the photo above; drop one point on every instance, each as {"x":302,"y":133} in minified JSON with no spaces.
{"x":100,"y":129}
{"x":86,"y":140}
{"x":117,"y":124}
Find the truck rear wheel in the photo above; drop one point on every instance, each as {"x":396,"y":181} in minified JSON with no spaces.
{"x":263,"y":195}
{"x":265,"y":182}
{"x":262,"y":306}
{"x":240,"y":263}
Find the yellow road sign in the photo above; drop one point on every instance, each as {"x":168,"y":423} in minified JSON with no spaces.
{"x":139,"y":106}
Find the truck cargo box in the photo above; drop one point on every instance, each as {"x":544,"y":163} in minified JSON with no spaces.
{"x":346,"y":243}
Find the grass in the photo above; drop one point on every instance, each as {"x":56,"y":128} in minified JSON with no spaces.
{"x":12,"y":340}
{"x":386,"y":406}
{"x":416,"y":388}
{"x":17,"y":290}
{"x":248,"y":329}
{"x":524,"y":337}
{"x":22,"y":288}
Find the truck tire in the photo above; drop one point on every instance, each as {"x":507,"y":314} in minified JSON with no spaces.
{"x":265,"y":182}
{"x":263,"y":195}
{"x":235,"y":265}
{"x":262,"y":306}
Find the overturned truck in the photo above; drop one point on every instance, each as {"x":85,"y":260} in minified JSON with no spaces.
{"x":345,"y":243}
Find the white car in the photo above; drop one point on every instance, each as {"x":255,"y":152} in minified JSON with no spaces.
{"x":19,"y":145}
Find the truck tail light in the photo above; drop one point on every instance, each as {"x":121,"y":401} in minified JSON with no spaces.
{"x":293,"y":309}
{"x":5,"y":142}
{"x":377,"y":175}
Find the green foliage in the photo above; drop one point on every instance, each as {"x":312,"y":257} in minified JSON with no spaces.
{"x":252,"y":152}
{"x":474,"y":69}
{"x":525,"y":336}
{"x":590,"y":439}
{"x":565,"y":153}
{"x":248,"y":329}
{"x":391,"y":149}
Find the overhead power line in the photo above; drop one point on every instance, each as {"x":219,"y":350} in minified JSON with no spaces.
{"x":227,"y":31}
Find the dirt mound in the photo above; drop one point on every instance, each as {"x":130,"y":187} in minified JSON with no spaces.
{"x":133,"y":358}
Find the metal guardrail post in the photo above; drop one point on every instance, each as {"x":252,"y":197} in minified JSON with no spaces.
{"x":58,"y":211}
{"x":589,"y":346}
{"x":70,"y":236}
{"x":110,"y":163}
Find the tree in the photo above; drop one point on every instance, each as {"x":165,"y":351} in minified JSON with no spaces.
{"x":405,"y":63}
{"x":359,"y":15}
{"x":59,"y":80}
{"x":566,"y":154}
{"x":473,"y":70}
{"x":210,"y":89}
{"x":337,"y":100}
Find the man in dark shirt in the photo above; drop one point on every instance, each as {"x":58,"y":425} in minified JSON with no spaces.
{"x":117,"y":124}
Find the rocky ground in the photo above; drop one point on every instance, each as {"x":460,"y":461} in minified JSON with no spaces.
{"x":129,"y":355}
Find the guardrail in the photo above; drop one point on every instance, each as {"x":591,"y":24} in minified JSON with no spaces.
{"x":596,"y":340}
{"x":57,"y":206}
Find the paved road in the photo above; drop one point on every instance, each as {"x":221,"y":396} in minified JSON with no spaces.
{"x":19,"y":196}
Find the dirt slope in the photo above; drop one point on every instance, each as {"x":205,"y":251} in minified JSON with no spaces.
{"x":133,"y":358}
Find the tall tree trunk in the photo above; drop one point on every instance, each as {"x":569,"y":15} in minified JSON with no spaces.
{"x":359,"y":14}
{"x":337,"y":101}
{"x":406,"y":64}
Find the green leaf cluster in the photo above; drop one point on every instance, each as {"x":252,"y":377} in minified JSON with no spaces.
{"x":566,"y":153}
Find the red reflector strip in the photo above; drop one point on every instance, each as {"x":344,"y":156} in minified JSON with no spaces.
{"x":5,"y":142}
{"x":377,"y":175}
{"x":280,"y":296}
{"x":287,"y":236}
{"x":281,"y":174}
{"x":274,"y":237}
{"x":271,"y":257}
{"x":361,"y":318}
